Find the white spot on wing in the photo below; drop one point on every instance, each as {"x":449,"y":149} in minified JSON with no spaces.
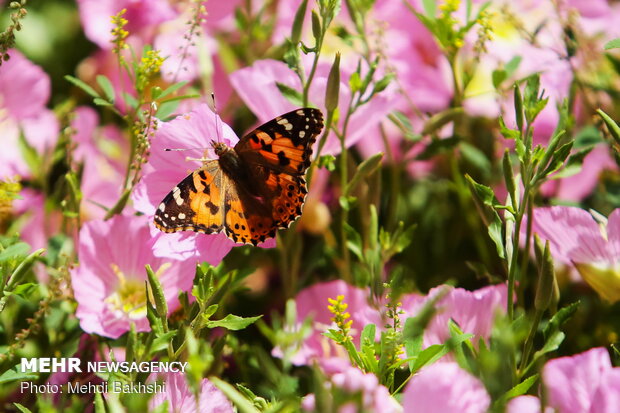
{"x":181,"y":215}
{"x":162,"y":207}
{"x":284,"y":122}
{"x":176,"y":194}
{"x":302,"y":134}
{"x":300,"y":112}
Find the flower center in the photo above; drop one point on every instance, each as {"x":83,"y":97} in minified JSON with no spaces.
{"x":130,"y":294}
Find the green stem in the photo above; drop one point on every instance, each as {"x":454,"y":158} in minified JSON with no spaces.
{"x":326,"y":131}
{"x":343,"y":184}
{"x":529,"y":342}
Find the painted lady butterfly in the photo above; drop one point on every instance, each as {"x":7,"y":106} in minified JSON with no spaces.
{"x":250,"y":190}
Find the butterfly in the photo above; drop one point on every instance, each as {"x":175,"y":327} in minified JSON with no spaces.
{"x":251,"y":190}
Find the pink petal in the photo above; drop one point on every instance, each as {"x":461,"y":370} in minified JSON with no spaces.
{"x":573,"y":234}
{"x":445,"y":388}
{"x":607,"y":396}
{"x":572,"y":382}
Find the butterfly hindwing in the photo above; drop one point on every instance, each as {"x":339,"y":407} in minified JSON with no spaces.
{"x":248,"y":220}
{"x":195,"y":204}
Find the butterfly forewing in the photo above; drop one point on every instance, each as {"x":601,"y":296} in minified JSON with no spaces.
{"x":283,"y":144}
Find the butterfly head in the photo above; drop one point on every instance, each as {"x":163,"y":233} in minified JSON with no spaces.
{"x":220,"y":148}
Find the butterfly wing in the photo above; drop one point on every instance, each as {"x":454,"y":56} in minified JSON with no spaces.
{"x":277,"y":155}
{"x":207,"y":201}
{"x":283,"y":144}
{"x":196,"y":203}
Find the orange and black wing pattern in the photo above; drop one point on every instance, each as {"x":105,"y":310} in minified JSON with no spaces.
{"x":263,"y":188}
{"x":196,"y":203}
{"x":283,"y":144}
{"x":278,"y":154}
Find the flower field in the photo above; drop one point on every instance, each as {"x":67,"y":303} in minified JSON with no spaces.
{"x":310,"y":205}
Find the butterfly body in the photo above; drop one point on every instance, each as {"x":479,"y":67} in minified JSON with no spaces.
{"x":251,"y":190}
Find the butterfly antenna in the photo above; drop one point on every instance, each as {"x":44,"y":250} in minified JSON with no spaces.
{"x":217,"y":127}
{"x":181,"y":149}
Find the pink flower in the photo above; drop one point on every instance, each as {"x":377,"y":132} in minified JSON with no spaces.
{"x":109,"y":282}
{"x":422,"y":69}
{"x":181,"y":399}
{"x":351,"y":380}
{"x":312,"y":302}
{"x":142,"y":17}
{"x":257,"y":87}
{"x":166,"y":169}
{"x":575,"y":238}
{"x":445,"y":387}
{"x":526,"y":404}
{"x":24,"y":92}
{"x":473,"y":311}
{"x":585,"y":382}
{"x":103,"y":152}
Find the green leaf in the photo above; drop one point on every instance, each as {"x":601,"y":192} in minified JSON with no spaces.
{"x":165,"y":109}
{"x":243,"y":404}
{"x":15,"y":374}
{"x":559,"y":156}
{"x":512,"y":65}
{"x":172,"y":88}
{"x":520,"y":389}
{"x":99,"y":405}
{"x":101,"y":102}
{"x":77,"y":82}
{"x":507,"y":132}
{"x":354,"y":241}
{"x":328,"y":162}
{"x":498,"y":76}
{"x":355,"y":82}
{"x":612,"y":44}
{"x":106,"y":86}
{"x":14,"y":252}
{"x":347,"y":202}
{"x":233,"y":322}
{"x":612,"y":126}
{"x":22,"y":269}
{"x":484,"y":196}
{"x":22,"y":408}
{"x":428,"y":356}
{"x":404,"y":124}
{"x":552,"y":344}
{"x":404,"y":238}
{"x":25,"y":290}
{"x":130,"y":100}
{"x":382,"y":83}
{"x":293,"y":96}
{"x":559,"y":318}
{"x":574,"y":164}
{"x":161,"y":341}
